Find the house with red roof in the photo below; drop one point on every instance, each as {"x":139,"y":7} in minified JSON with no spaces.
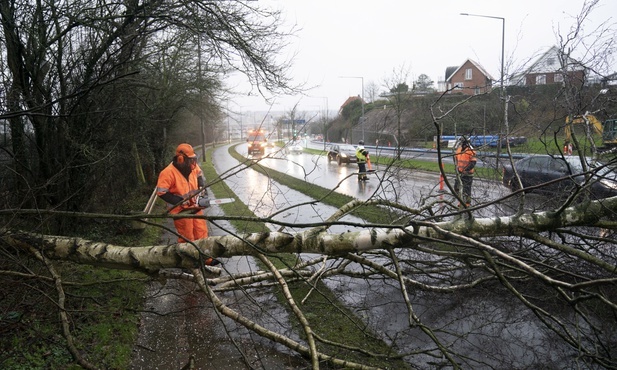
{"x":470,"y":78}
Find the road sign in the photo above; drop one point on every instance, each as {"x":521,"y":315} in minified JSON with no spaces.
{"x":296,"y":121}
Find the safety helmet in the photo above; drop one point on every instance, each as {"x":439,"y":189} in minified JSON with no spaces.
{"x":361,"y":142}
{"x":186,"y":150}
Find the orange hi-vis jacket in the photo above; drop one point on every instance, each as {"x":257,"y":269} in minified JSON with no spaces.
{"x":172,"y":181}
{"x":465,"y":160}
{"x":198,"y":172}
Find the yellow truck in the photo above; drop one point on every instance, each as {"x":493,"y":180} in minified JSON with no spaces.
{"x":608,"y":129}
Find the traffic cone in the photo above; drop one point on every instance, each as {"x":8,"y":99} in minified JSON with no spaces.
{"x":441,"y":180}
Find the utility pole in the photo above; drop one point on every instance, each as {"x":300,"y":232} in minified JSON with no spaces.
{"x":504,"y":94}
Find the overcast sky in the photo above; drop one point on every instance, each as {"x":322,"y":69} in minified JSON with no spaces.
{"x":371,"y":39}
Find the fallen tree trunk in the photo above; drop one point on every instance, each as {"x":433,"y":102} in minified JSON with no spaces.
{"x":187,"y":255}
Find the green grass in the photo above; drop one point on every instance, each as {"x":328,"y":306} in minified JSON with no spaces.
{"x":336,"y":323}
{"x":103,"y":305}
{"x":109,"y":308}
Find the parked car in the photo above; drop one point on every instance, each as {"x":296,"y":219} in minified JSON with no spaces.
{"x":537,"y":170}
{"x":342,"y":154}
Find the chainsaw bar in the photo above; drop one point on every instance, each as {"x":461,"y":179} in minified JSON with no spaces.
{"x":222,"y":201}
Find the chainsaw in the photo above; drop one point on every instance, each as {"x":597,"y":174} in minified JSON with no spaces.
{"x":206,"y":202}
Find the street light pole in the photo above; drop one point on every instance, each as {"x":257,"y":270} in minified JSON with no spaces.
{"x":228,"y":128}
{"x":504,"y":95}
{"x":325,"y":124}
{"x":361,"y":101}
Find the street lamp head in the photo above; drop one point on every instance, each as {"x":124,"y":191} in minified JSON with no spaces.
{"x":483,"y":16}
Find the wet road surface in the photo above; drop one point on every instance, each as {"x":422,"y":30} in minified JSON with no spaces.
{"x":380,"y":303}
{"x":412,"y":188}
{"x":266,"y":198}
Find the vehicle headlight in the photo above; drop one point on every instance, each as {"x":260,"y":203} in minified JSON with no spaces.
{"x":343,"y":155}
{"x":609,"y":183}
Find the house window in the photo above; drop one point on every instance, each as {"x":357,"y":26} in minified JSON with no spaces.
{"x":458,"y":85}
{"x":550,"y":61}
{"x":468,"y":74}
{"x":558,"y":77}
{"x":541,"y":80}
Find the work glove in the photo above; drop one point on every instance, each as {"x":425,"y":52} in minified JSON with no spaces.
{"x":211,"y":261}
{"x":204,"y":202}
{"x":470,"y":167}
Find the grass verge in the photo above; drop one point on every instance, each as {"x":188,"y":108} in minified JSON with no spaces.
{"x":103,"y":306}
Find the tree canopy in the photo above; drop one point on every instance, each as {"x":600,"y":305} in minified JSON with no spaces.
{"x":423,"y":83}
{"x":91,"y":87}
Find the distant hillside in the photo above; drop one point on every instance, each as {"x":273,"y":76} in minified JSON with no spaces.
{"x":534,"y":111}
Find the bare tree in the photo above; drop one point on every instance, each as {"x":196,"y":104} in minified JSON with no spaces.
{"x":77,"y":73}
{"x":399,"y":97}
{"x":372,"y":91}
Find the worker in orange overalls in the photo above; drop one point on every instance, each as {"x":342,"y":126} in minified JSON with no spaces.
{"x":465,"y":161}
{"x":178,"y":185}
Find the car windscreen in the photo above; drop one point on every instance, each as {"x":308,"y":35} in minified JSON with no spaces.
{"x":600,"y":168}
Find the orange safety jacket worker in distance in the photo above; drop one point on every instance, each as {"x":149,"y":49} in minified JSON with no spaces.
{"x":465,"y":160}
{"x":171,"y":180}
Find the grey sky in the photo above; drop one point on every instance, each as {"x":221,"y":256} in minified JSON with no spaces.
{"x":371,"y":39}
